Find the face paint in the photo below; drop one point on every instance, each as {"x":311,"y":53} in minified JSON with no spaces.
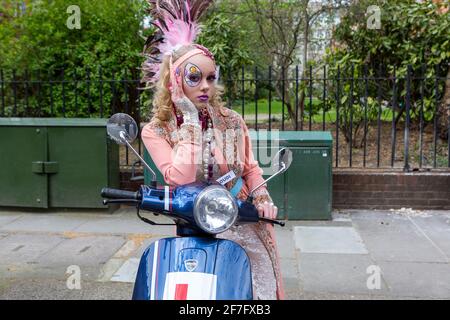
{"x":192,"y":75}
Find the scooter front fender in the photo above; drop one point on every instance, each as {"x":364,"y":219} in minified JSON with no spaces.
{"x":193,"y":268}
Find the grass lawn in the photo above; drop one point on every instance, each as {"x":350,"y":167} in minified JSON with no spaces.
{"x":263,"y":106}
{"x":276,"y":109}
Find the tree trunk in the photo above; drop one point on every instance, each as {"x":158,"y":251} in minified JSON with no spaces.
{"x":304,"y":62}
{"x":287,"y":98}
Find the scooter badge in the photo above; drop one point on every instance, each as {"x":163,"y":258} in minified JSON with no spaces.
{"x":190,"y":264}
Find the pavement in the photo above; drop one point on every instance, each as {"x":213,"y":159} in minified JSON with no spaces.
{"x":359,"y":254}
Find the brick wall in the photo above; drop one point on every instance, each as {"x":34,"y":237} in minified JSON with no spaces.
{"x":357,"y":189}
{"x":125,"y":182}
{"x":366,"y":189}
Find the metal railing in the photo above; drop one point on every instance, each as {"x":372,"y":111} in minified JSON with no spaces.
{"x":378,"y":119}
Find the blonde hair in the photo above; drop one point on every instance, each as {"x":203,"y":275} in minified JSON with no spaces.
{"x":162,"y":101}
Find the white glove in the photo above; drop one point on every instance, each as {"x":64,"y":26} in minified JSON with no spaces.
{"x":189,"y":110}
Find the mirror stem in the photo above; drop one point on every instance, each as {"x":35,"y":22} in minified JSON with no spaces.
{"x":122,"y":136}
{"x":283,"y":167}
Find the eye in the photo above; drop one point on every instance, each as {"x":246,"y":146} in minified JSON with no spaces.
{"x":194,"y":77}
{"x":211,"y":78}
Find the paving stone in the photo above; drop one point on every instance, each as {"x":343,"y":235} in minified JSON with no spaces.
{"x":6,"y":218}
{"x":423,"y":280}
{"x":53,"y":289}
{"x":437,"y":229}
{"x":44,"y":223}
{"x":292,"y":288}
{"x":285,"y":242}
{"x":83,"y":251}
{"x":127,"y":272}
{"x":337,"y":273}
{"x":289,"y":268}
{"x":391,"y":237}
{"x":26,"y":248}
{"x":328,"y":240}
{"x":120,"y":225}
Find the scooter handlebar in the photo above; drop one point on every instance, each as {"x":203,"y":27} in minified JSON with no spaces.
{"x":119,"y":194}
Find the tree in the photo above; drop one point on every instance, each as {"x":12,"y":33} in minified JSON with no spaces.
{"x":41,"y":39}
{"x":279,"y":26}
{"x":310,"y":13}
{"x":227,"y":44}
{"x":276,"y":30}
{"x":411,"y":33}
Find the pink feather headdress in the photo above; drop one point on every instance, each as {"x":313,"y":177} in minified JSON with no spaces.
{"x":177,"y":26}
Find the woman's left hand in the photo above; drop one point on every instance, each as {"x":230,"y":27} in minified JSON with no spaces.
{"x":267,"y":210}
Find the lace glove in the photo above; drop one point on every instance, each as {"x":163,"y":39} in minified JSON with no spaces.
{"x":190,"y":112}
{"x":263,"y":202}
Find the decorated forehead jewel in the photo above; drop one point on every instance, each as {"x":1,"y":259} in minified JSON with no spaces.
{"x":176,"y":26}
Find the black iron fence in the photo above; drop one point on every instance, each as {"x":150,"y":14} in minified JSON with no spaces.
{"x":385,"y":118}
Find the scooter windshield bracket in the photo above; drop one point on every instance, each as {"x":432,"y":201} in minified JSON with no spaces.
{"x":150,"y":221}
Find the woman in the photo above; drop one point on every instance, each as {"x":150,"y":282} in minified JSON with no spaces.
{"x":193,"y":137}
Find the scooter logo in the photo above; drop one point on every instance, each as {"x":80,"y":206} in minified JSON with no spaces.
{"x":190,"y":264}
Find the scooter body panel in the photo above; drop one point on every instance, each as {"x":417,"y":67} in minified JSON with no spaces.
{"x":193,"y":268}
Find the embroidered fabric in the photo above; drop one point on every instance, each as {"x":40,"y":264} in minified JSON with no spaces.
{"x":191,"y":133}
{"x":263,"y":276}
{"x":260,"y":196}
{"x":158,"y":129}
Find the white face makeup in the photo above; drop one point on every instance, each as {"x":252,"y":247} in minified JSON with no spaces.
{"x":192,"y":75}
{"x":199,"y":73}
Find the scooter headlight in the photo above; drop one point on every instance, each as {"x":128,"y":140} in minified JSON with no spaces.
{"x":215,"y":210}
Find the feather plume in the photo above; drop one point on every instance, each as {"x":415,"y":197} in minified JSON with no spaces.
{"x":176,"y":23}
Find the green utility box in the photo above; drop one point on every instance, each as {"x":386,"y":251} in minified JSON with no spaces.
{"x":304,"y":191}
{"x":147,"y":173}
{"x":56,"y":162}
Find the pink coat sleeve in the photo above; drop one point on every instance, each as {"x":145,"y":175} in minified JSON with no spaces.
{"x":252,"y":173}
{"x":177,"y":167}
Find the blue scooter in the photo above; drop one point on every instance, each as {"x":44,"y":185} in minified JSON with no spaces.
{"x":194,"y":265}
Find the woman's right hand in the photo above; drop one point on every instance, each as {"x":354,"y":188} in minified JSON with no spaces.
{"x":267,"y":210}
{"x":189,"y":110}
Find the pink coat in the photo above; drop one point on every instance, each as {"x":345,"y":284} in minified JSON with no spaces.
{"x":180,"y":167}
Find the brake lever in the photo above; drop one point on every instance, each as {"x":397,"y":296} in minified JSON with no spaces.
{"x":281,"y":223}
{"x":106,"y":201}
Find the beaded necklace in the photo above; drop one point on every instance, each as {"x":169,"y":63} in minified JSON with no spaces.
{"x":206,"y":124}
